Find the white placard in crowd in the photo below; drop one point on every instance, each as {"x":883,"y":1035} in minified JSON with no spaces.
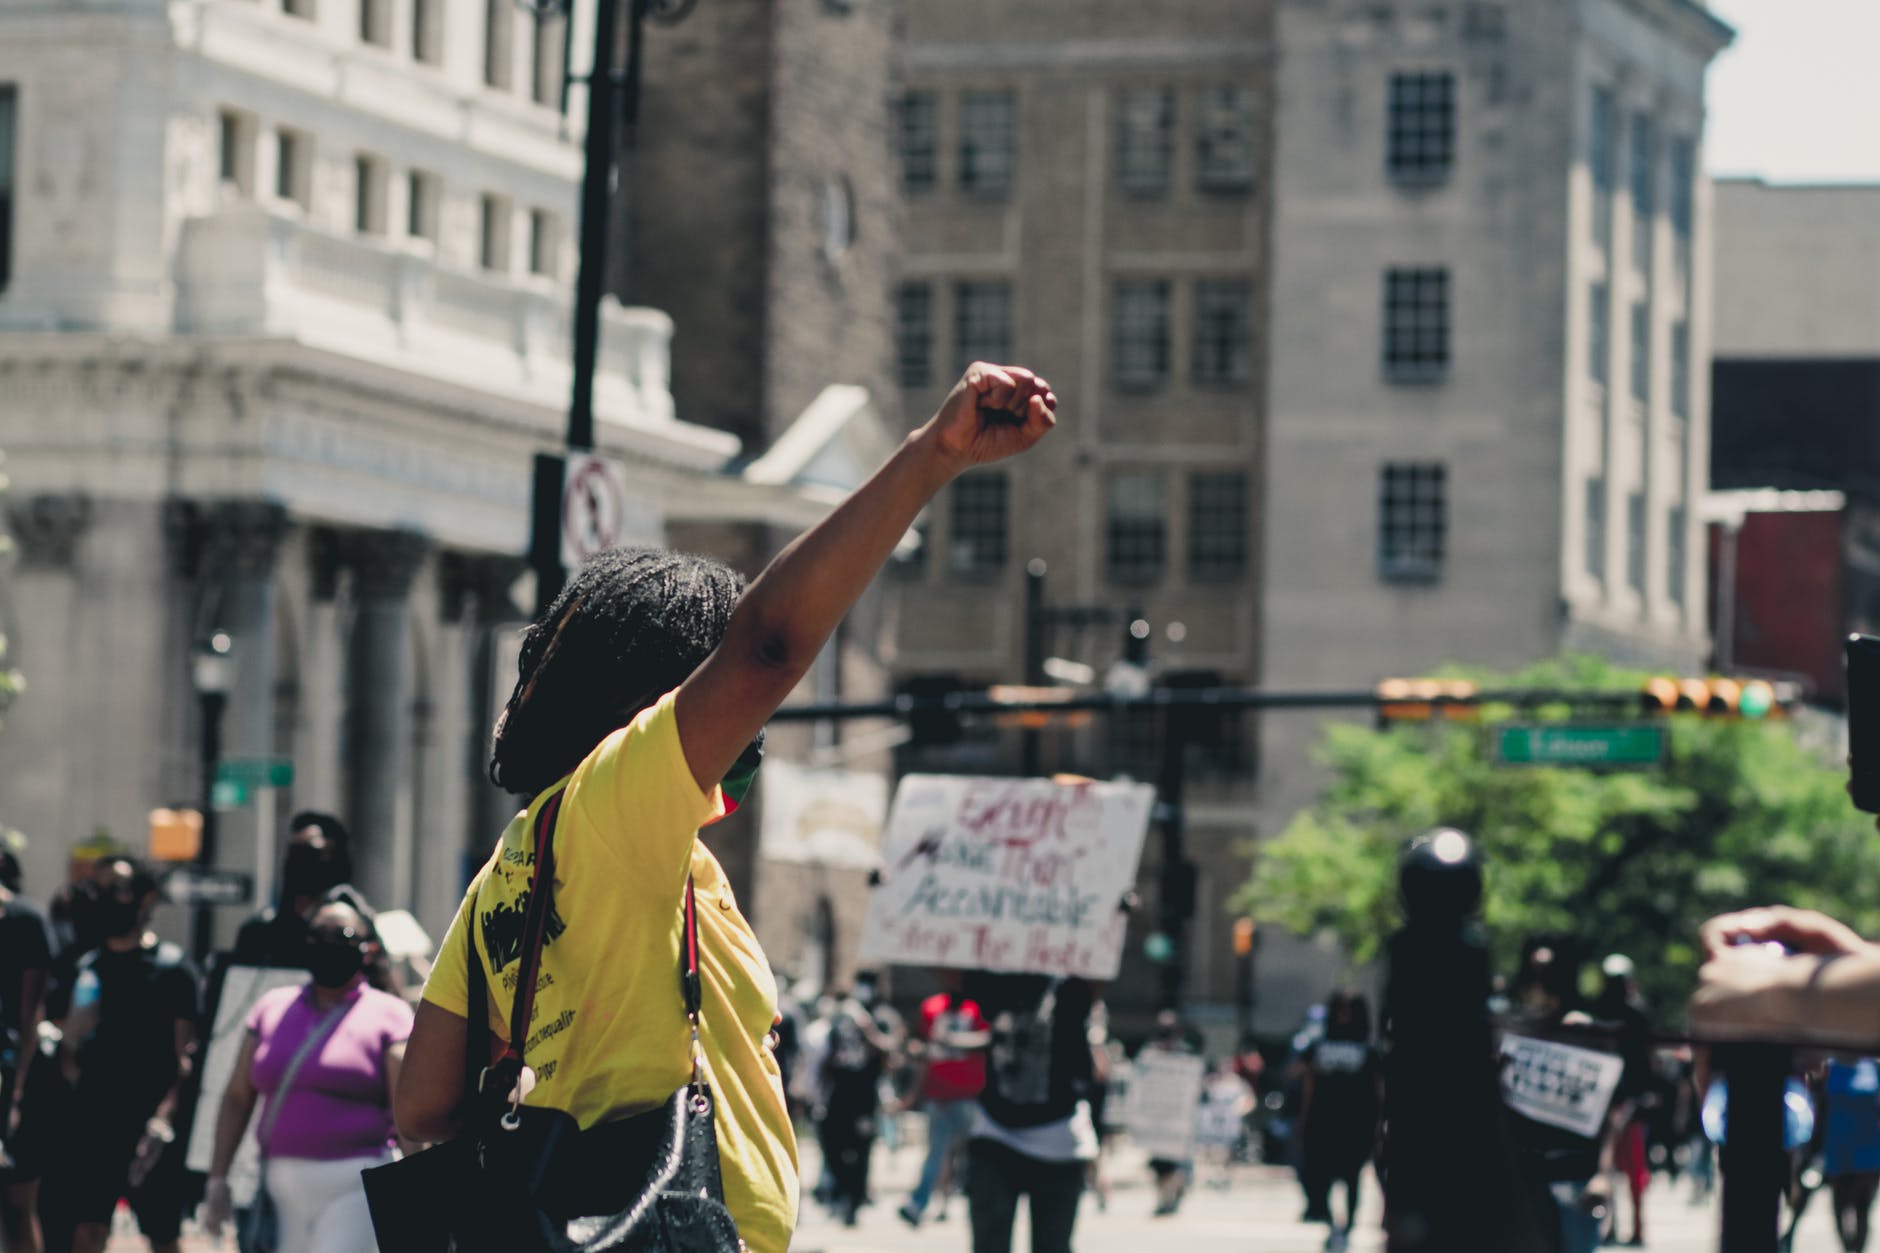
{"x":1559,"y":1084}
{"x":1164,"y":1103}
{"x":822,"y":817}
{"x":241,"y":988}
{"x":1007,"y":874}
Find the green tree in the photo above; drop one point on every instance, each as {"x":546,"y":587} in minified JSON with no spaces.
{"x":1742,"y":813}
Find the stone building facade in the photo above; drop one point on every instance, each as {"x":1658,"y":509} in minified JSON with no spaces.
{"x":1488,"y":430}
{"x":1086,"y":190}
{"x":284,"y":320}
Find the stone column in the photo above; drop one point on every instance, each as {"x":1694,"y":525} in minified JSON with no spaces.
{"x":378,"y":710}
{"x":42,"y":734}
{"x":493,"y":615}
{"x":237,"y":542}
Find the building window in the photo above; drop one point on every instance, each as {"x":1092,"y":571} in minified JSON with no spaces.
{"x":1680,"y":369}
{"x":235,"y":151}
{"x":9,"y":134}
{"x":1601,"y":143}
{"x":1223,"y":332}
{"x":493,"y":233}
{"x":1599,"y":334}
{"x":920,"y":142}
{"x":1224,"y":139}
{"x":1136,"y":526}
{"x":1217,"y":526}
{"x":913,"y":334}
{"x":988,"y":142}
{"x":1682,"y":159}
{"x":1595,"y":556}
{"x":838,"y":216}
{"x":298,"y":8}
{"x":1140,"y":334}
{"x":548,"y":41}
{"x":1674,"y":555}
{"x":375,"y":22}
{"x":1635,"y":542}
{"x":1416,"y":324}
{"x":1641,"y":352}
{"x":980,"y":518}
{"x":982,"y":322}
{"x":499,"y":32}
{"x":1644,"y":187}
{"x":427,"y":31}
{"x":369,"y":192}
{"x":421,"y":200}
{"x":293,"y":166}
{"x":1145,"y":140}
{"x":1412,"y":520}
{"x":1422,"y":139}
{"x":544,"y":243}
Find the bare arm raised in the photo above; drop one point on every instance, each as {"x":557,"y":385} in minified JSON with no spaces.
{"x":788,"y":614}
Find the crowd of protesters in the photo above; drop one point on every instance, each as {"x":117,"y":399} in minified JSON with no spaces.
{"x":106,"y":1028}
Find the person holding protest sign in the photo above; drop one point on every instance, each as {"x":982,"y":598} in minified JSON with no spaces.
{"x":639,"y":690}
{"x":1031,"y":1134}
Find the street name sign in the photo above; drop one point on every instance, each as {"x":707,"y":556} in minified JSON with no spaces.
{"x":195,"y":885}
{"x":1579,"y":744}
{"x":256,"y":772}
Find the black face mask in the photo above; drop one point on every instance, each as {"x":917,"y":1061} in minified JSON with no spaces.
{"x":334,"y":963}
{"x":114,"y":916}
{"x":307,"y":872}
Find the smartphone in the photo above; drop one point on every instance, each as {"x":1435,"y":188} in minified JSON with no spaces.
{"x":1863,"y":721}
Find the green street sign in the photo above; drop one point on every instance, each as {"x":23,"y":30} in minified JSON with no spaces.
{"x":1576,"y":744}
{"x":256,"y":772}
{"x":229,"y":794}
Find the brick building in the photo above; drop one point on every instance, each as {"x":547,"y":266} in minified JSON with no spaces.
{"x":758,"y":201}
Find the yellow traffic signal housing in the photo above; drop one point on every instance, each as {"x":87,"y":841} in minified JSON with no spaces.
{"x":1418,"y":700}
{"x":1752,"y":699}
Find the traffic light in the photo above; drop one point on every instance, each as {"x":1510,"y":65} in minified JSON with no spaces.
{"x":1418,"y":700}
{"x":1751,"y":700}
{"x":1243,"y":936}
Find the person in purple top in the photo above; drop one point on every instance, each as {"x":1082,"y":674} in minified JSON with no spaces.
{"x":322,"y":1061}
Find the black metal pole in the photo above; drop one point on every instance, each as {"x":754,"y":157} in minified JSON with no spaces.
{"x":1032,"y":742}
{"x":1177,"y":885}
{"x":1755,"y":1162}
{"x":596,"y":190}
{"x":202,"y":922}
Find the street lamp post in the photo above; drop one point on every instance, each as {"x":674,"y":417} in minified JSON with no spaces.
{"x":611,"y":93}
{"x":212,"y":672}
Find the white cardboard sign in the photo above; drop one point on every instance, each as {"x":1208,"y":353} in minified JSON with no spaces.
{"x":1559,"y":1084}
{"x":1017,"y":875}
{"x":1164,"y":1103}
{"x":241,"y":988}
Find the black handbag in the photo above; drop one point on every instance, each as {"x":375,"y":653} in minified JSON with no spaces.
{"x":520,"y":1179}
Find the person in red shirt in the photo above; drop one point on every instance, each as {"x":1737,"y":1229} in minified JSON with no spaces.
{"x":952,"y":1072}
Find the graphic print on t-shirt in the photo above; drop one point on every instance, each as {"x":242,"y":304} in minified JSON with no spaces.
{"x":503,"y":925}
{"x":1021,"y":1052}
{"x":1340,"y":1057}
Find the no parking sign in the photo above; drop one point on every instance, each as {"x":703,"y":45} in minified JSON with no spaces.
{"x":598,"y":512}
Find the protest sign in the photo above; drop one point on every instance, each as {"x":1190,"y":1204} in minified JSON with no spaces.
{"x":823,"y":817}
{"x":1020,"y":875}
{"x":1164,"y":1103}
{"x":1558,"y":1084}
{"x":241,"y":988}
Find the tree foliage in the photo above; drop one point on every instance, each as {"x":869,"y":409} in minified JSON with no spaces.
{"x":1742,"y":813}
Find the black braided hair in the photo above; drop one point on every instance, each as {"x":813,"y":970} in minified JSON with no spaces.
{"x":628,"y":628}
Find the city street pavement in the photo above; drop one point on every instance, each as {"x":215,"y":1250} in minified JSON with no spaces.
{"x":1257,"y":1211}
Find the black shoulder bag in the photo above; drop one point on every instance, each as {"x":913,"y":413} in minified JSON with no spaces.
{"x":520,"y":1179}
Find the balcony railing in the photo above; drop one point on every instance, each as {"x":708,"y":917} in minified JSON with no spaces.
{"x":250,"y":271}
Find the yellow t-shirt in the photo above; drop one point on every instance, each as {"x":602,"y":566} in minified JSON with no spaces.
{"x":608,"y":1036}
